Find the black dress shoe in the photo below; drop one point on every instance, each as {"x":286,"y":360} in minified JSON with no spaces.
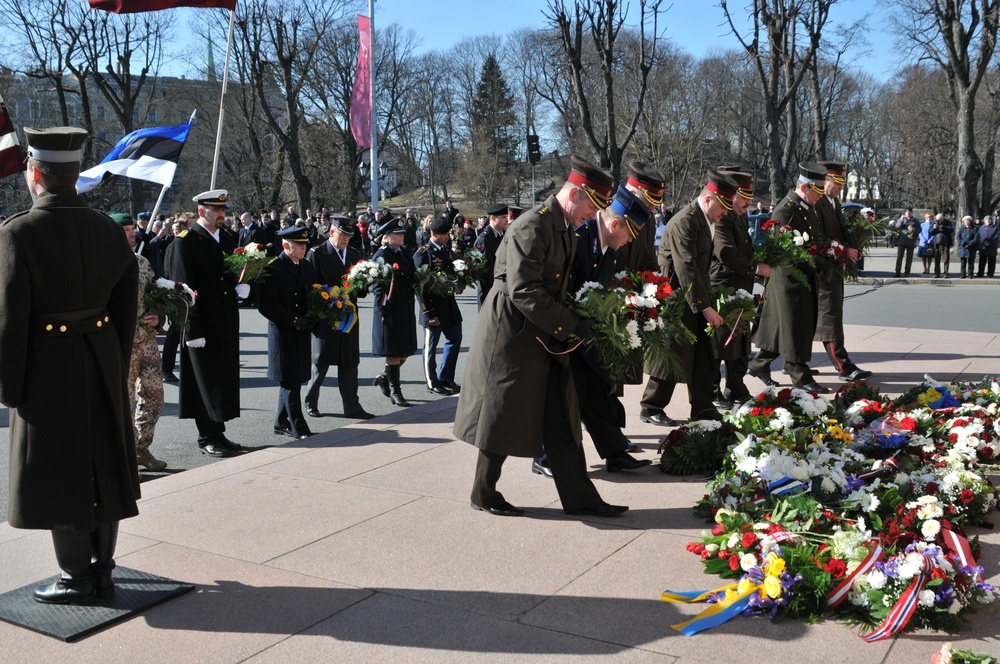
{"x":222,"y":441}
{"x":452,"y":385}
{"x":439,"y":389}
{"x":170,"y":377}
{"x":67,"y":591}
{"x":722,"y":403}
{"x":632,"y":447}
{"x":600,"y":509}
{"x":659,"y":418}
{"x":763,"y":377}
{"x":503,"y":509}
{"x":538,"y":469}
{"x":284,"y":431}
{"x":359,"y":414}
{"x":313,"y":411}
{"x":214,"y":449}
{"x":624,"y":461}
{"x":857,"y":374}
{"x":815,"y":387}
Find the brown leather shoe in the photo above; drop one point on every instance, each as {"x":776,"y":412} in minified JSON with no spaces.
{"x":148,"y":461}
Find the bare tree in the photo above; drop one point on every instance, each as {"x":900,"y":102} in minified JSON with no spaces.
{"x":960,"y":37}
{"x":603,"y":20}
{"x":781,"y":66}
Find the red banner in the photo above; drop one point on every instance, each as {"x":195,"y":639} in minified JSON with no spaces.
{"x":11,"y":154}
{"x":361,"y":94}
{"x":137,"y":6}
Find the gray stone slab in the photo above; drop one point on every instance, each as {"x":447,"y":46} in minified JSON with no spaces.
{"x":390,"y":628}
{"x":135,"y":591}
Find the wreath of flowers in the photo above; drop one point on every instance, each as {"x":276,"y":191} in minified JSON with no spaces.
{"x":170,"y":300}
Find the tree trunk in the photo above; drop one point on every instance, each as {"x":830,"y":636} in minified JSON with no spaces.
{"x":968,"y":168}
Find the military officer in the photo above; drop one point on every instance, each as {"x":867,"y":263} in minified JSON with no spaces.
{"x":67,"y":318}
{"x":830,"y":298}
{"x":210,"y":354}
{"x":518,"y":393}
{"x":733,"y":267}
{"x":145,"y":380}
{"x":332,"y":260}
{"x":487,"y":243}
{"x":439,"y":314}
{"x":648,"y":185}
{"x":686,"y":255}
{"x":788,"y":319}
{"x":394,"y":328}
{"x":282,"y":302}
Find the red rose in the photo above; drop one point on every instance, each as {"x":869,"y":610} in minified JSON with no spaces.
{"x":718,"y":529}
{"x":651,"y":313}
{"x":749,"y":539}
{"x":238,"y":250}
{"x":768,"y":410}
{"x":395,"y":266}
{"x":986,"y":452}
{"x":836,"y":567}
{"x":261,"y":247}
{"x":960,"y":423}
{"x":938,"y":573}
{"x":784,"y":396}
{"x":755,"y":411}
{"x":931,"y":488}
{"x":953,"y":438}
{"x":908,"y":424}
{"x":734,"y":563}
{"x":967,"y":496}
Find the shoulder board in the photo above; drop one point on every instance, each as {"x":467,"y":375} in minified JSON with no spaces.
{"x":183,"y":233}
{"x":543,"y":210}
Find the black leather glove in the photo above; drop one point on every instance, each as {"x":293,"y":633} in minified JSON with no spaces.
{"x":300,"y":323}
{"x":584,"y":328}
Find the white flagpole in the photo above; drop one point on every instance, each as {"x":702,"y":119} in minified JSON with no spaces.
{"x":163,"y":189}
{"x":371,"y":98}
{"x":222,"y":101}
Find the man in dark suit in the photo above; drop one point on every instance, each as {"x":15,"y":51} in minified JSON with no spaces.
{"x":283,"y":303}
{"x":733,"y":267}
{"x":67,"y":317}
{"x":331,"y":261}
{"x":487,"y":244}
{"x":686,"y":255}
{"x":210,"y":355}
{"x":788,"y":319}
{"x":439,"y":314}
{"x":517,"y":393}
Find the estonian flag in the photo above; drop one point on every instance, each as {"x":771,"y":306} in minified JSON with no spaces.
{"x":147,"y":154}
{"x":136,"y":6}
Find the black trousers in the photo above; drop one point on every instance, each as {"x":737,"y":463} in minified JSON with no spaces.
{"x":565,"y":454}
{"x":900,"y":252}
{"x":347,"y":383}
{"x":946,"y":251}
{"x":799,"y":372}
{"x":987,"y":262}
{"x":289,"y":413}
{"x":736,"y":371}
{"x":170,"y":342}
{"x":601,"y":411}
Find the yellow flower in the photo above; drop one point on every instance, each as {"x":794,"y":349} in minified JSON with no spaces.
{"x":772,"y":587}
{"x":774,"y":564}
{"x":745,"y":586}
{"x":325,"y":295}
{"x":929,"y":396}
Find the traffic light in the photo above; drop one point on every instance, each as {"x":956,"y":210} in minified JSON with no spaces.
{"x":534,"y":152}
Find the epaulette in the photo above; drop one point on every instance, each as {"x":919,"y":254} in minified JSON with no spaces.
{"x":543,"y":210}
{"x":184,"y":232}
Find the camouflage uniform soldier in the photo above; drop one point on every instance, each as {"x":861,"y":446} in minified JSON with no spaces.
{"x":145,"y":375}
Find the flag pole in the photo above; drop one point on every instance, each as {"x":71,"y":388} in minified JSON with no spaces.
{"x":163,"y":189}
{"x":371,"y":98}
{"x":222,"y":101}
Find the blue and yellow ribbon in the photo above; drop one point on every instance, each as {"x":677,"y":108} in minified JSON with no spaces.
{"x":732,"y":603}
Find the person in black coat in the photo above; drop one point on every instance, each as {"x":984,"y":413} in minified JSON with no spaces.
{"x":210,"y":356}
{"x":282,"y":301}
{"x":332,"y":260}
{"x":394,"y":330}
{"x":487,"y":244}
{"x":439,"y":314}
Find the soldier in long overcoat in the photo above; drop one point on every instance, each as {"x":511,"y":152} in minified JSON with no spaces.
{"x":67,"y":317}
{"x":518,"y":394}
{"x":282,"y":301}
{"x":830,"y":283}
{"x":210,"y":356}
{"x":788,"y":319}
{"x":487,"y":243}
{"x":733,"y":267}
{"x":332,"y":260}
{"x":394,"y":325}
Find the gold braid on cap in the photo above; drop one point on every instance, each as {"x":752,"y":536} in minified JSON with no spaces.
{"x":745,"y":193}
{"x":632,"y":227}
{"x":599,"y":201}
{"x":722,"y":201}
{"x":815,"y":187}
{"x":839,"y":179}
{"x":650,"y":198}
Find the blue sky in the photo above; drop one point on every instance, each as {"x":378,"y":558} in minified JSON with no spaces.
{"x":696,"y":26}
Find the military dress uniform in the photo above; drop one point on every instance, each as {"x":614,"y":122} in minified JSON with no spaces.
{"x":394,"y":324}
{"x":445,"y":309}
{"x":517,"y":394}
{"x":788,"y":319}
{"x":67,"y":320}
{"x":330,"y":347}
{"x":282,"y":301}
{"x":210,"y":375}
{"x":487,"y":243}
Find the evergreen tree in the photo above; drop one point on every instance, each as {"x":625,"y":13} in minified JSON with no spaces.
{"x":493,"y":127}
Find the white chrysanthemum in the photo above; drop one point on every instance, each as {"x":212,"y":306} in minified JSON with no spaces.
{"x":632,"y":328}
{"x":164,"y":283}
{"x":869,"y":502}
{"x":733,"y":540}
{"x":877,"y":579}
{"x":584,"y":289}
{"x":926,"y":598}
{"x":747,"y":561}
{"x":460,"y":266}
{"x":706,"y":425}
{"x":929,"y":529}
{"x":782,"y":420}
{"x":649,"y":325}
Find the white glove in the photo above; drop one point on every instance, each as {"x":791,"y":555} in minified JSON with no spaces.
{"x":242,"y":291}
{"x":196,"y":343}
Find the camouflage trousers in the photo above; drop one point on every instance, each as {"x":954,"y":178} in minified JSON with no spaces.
{"x":145,"y":383}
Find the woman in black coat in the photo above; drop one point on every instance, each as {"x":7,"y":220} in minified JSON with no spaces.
{"x":967,"y":241}
{"x":394,"y":328}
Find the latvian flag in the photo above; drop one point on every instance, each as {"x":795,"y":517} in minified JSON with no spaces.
{"x":11,"y":154}
{"x":136,"y":6}
{"x":147,"y":154}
